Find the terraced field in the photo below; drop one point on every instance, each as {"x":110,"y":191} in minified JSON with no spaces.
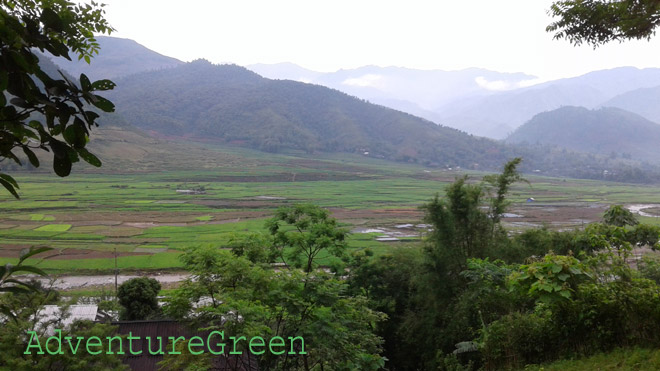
{"x":146,"y":219}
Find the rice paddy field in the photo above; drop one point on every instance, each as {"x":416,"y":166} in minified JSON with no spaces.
{"x":144,"y":219}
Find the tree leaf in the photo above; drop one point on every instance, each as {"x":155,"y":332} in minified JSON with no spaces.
{"x":27,"y":253}
{"x":51,"y":19}
{"x":9,"y":187}
{"x":85,"y":84}
{"x":89,"y":157}
{"x":102,"y":85}
{"x":62,"y":165}
{"x":103,"y":104}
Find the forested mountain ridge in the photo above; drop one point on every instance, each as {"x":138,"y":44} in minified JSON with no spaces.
{"x":228,"y":103}
{"x":606,"y":131}
{"x":118,"y":57}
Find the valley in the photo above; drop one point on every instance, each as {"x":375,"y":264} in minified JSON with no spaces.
{"x":144,"y":217}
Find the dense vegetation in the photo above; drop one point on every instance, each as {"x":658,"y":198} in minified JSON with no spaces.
{"x":474,"y":296}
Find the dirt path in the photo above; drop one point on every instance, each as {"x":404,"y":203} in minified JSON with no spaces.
{"x":78,"y":282}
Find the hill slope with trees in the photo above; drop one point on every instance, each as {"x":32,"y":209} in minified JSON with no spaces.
{"x":120,"y":57}
{"x":227,"y":103}
{"x":606,"y":131}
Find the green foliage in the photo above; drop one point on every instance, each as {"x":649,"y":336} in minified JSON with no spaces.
{"x":234,"y":294}
{"x":307,"y":230}
{"x":620,"y":359}
{"x":251,"y":246}
{"x":649,"y":268}
{"x":619,"y":216}
{"x":139,"y":299}
{"x":599,"y":22}
{"x":9,"y":283}
{"x":25,"y":316}
{"x":461,"y":228}
{"x":553,"y":279}
{"x":37,"y":110}
{"x":388,"y":282}
{"x":502,"y":184}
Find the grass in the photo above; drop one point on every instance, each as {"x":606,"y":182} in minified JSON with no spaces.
{"x":623,"y":359}
{"x":54,"y":228}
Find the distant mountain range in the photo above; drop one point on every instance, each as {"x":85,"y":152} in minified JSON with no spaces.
{"x":229,"y":104}
{"x":644,"y":101}
{"x":606,"y":131}
{"x":478,"y":101}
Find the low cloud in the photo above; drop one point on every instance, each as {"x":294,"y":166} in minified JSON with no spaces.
{"x":501,"y":85}
{"x":369,"y":80}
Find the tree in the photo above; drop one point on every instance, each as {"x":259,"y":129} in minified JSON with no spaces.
{"x":252,"y":299}
{"x":42,"y":112}
{"x":619,"y":216}
{"x":139,"y":297}
{"x":304,"y":233}
{"x":461,"y":228}
{"x":601,"y":21}
{"x":502,"y":183}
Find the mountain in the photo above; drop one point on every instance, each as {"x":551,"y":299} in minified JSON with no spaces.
{"x":508,"y":110}
{"x":644,"y":102}
{"x":413,"y":91}
{"x":284,"y":71}
{"x":194,"y":115}
{"x":118,"y":57}
{"x":605,"y":131}
{"x":230,"y":104}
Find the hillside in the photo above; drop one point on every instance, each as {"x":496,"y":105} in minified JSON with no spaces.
{"x":644,"y":102}
{"x":165,"y":117}
{"x":229,"y":104}
{"x":498,"y":114}
{"x":118,"y":57}
{"x":606,"y":131}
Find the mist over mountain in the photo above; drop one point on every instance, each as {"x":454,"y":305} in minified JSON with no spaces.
{"x":418,"y":92}
{"x":119,"y":57}
{"x":478,"y":101}
{"x":644,"y":102}
{"x":511,"y":109}
{"x":606,"y":131}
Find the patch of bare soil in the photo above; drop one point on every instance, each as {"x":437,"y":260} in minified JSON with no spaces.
{"x":556,"y":215}
{"x":360,"y":217}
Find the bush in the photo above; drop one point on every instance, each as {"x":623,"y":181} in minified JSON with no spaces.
{"x":139,"y":299}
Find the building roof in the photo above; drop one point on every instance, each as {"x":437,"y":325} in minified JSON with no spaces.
{"x":55,"y":316}
{"x":165,"y":329}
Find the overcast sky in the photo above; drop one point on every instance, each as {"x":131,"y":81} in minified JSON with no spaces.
{"x":501,"y":35}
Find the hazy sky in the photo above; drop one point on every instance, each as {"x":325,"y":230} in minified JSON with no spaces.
{"x":502,"y":35}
